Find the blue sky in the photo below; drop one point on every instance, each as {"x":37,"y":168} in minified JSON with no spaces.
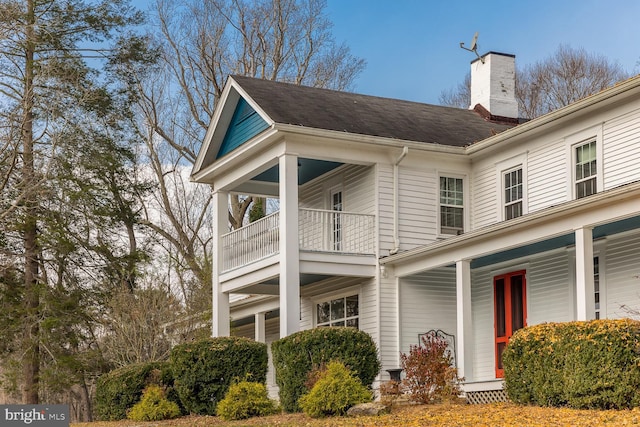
{"x":412,"y":47}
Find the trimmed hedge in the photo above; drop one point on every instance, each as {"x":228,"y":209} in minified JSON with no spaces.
{"x":583,"y":365}
{"x":298,"y":354}
{"x":204,"y":370}
{"x":119,"y":390}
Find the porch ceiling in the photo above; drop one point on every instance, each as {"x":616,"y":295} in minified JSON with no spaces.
{"x":271,"y":286}
{"x":556,"y":242}
{"x":308,"y":169}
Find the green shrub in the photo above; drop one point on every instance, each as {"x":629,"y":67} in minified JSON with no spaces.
{"x":245,"y":400}
{"x":584,"y":365}
{"x":205,"y":369}
{"x":429,"y":375}
{"x":336,"y":390}
{"x":296,"y":355}
{"x":154,"y":406}
{"x":117,"y":391}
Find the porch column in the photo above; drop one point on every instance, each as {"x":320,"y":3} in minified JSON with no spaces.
{"x":464,"y":335}
{"x":221,"y":322}
{"x":289,"y":246}
{"x":260,"y":321}
{"x":585,"y":299}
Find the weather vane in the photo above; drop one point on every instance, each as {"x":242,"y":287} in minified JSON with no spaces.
{"x":474,"y":46}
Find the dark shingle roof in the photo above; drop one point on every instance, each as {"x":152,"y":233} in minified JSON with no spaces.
{"x":368,"y":115}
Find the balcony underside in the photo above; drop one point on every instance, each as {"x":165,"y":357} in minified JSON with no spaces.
{"x":263,"y":277}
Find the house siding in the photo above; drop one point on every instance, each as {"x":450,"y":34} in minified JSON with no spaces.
{"x":385,"y":208}
{"x":621,"y":150}
{"x":388,"y":341}
{"x":428,"y":301}
{"x":622,"y":275}
{"x":547,"y":176}
{"x":245,"y":124}
{"x":485,"y":197}
{"x":549,"y":288}
{"x":357,"y":184}
{"x":483,"y":335}
{"x":417,"y":207}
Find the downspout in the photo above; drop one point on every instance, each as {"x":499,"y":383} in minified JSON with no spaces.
{"x":396,"y":231}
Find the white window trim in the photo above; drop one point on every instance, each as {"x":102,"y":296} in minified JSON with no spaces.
{"x":331,"y":296}
{"x":508,"y":165}
{"x":575,"y":140}
{"x":599,"y":250}
{"x":465,"y":202}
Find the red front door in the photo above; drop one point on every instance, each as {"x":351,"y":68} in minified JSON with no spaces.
{"x":510,"y":304}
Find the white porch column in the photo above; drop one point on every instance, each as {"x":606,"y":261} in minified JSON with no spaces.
{"x":260,"y":321}
{"x":289,"y":247}
{"x":221,"y":326}
{"x":585,"y":299}
{"x":464,"y":338}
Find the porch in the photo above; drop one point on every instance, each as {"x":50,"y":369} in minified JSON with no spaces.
{"x":570,"y":262}
{"x":321,"y":231}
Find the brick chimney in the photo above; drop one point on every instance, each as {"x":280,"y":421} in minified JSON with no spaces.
{"x":493,"y":86}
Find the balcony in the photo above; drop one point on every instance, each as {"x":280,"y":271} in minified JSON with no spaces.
{"x":322,"y":231}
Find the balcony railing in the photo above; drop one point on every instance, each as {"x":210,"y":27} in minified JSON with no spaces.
{"x":319,"y":231}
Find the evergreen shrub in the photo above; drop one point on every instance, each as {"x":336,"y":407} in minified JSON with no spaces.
{"x":583,"y":365}
{"x":245,"y":400}
{"x":335,"y":391}
{"x":118,"y":390}
{"x":153,"y":406}
{"x":296,"y":355}
{"x":204,"y":370}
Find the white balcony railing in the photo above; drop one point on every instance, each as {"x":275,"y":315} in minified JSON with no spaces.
{"x":251,"y":243}
{"x":319,"y":231}
{"x":339,"y":232}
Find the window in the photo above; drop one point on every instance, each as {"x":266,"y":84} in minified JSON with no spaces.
{"x":510,"y":309}
{"x":512,"y":181}
{"x":586,"y":171}
{"x":338,"y":312}
{"x":336,"y":220}
{"x":596,"y":284}
{"x":451,"y":205}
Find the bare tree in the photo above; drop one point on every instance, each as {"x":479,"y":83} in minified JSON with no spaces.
{"x":564,"y":77}
{"x":458,"y":97}
{"x":201,"y":44}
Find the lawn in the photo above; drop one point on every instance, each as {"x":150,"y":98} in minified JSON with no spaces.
{"x":449,"y":415}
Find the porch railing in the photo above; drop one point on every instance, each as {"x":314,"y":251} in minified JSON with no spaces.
{"x":336,"y":231}
{"x":319,"y":231}
{"x":251,"y":243}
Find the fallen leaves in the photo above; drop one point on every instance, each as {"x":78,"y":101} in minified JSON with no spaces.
{"x":441,"y":415}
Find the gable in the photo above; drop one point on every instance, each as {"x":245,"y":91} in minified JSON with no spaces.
{"x":245,"y":124}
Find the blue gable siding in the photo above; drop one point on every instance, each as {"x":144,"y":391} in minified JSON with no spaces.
{"x":245,"y":124}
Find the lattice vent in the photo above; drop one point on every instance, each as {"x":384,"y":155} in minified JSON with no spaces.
{"x":487,"y":396}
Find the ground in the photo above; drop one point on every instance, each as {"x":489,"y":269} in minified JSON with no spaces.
{"x":440,"y":415}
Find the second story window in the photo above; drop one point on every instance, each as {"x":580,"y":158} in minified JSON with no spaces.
{"x":451,"y":205}
{"x":512,"y":181}
{"x":586,"y":172}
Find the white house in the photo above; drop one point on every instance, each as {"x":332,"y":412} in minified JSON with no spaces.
{"x":399,"y":217}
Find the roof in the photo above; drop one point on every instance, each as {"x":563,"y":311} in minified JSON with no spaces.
{"x":287,"y":103}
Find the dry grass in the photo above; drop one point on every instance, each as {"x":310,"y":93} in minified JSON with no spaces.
{"x":449,"y":415}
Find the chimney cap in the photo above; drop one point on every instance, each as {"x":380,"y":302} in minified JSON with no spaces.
{"x":493,"y":53}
